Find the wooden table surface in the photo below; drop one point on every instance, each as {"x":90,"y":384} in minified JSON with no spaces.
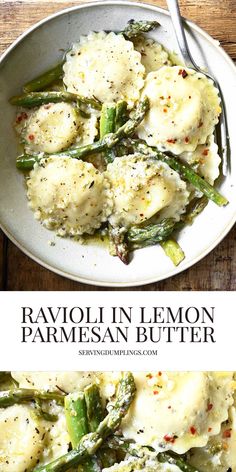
{"x":217,"y":271}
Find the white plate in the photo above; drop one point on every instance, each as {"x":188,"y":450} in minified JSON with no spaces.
{"x":40,"y":48}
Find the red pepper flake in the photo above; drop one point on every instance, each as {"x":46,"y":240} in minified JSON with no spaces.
{"x":155,"y":392}
{"x":162,"y":98}
{"x":31,"y":137}
{"x":183,"y":73}
{"x":205,"y":152}
{"x":170,"y":439}
{"x":189,"y":96}
{"x":172,"y":141}
{"x":192,"y":430}
{"x":200,"y":124}
{"x":209,"y":407}
{"x":160,"y":374}
{"x":165,"y":110}
{"x":149,"y":376}
{"x":22,"y":116}
{"x":169,"y":97}
{"x":227,"y":434}
{"x":169,"y":407}
{"x":209,"y":430}
{"x":141,"y":214}
{"x":186,"y":139}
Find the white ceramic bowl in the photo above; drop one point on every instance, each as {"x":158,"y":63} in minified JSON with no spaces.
{"x":40,"y":48}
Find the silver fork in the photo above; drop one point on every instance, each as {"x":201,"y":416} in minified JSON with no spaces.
{"x":222,"y":137}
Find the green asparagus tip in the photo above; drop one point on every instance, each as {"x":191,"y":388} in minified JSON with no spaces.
{"x":136,"y":28}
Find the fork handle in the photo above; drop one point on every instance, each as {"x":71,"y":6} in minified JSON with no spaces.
{"x":173,"y":7}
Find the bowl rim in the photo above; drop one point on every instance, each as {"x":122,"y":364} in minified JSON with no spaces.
{"x":175,"y":270}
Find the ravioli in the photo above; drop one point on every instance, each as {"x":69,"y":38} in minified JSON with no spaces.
{"x":184,"y":108}
{"x":51,"y":128}
{"x":104,"y":66}
{"x":21,"y":439}
{"x":219,"y":454}
{"x":56,"y":439}
{"x":66,"y":381}
{"x":186,"y":409}
{"x":153,"y":55}
{"x":143,"y":187}
{"x":69,"y":195}
{"x":206,"y":158}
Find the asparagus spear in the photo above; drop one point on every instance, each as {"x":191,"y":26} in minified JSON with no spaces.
{"x":45,"y":79}
{"x":107,"y":125}
{"x":26,"y":161}
{"x":135,"y":28}
{"x":34,"y":99}
{"x":87,"y":447}
{"x":151,"y":234}
{"x":20,"y":395}
{"x":124,"y":397}
{"x":194,"y":209}
{"x":76,"y":417}
{"x":95,"y":412}
{"x":173,"y":251}
{"x":108,"y":114}
{"x":121,"y":114}
{"x":91,"y":442}
{"x":77,"y":425}
{"x":118,"y":237}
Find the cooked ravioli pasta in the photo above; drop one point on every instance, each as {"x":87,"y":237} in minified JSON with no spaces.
{"x":219,"y":453}
{"x":68,"y":195}
{"x":66,"y":381}
{"x":153,"y":55}
{"x":206,"y":158}
{"x":184,"y":407}
{"x":104,"y":66}
{"x":142,"y":188}
{"x":21,"y":439}
{"x":51,"y":128}
{"x":184,"y":108}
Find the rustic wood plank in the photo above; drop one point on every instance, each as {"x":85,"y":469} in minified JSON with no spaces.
{"x":214,"y":272}
{"x":217,"y":18}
